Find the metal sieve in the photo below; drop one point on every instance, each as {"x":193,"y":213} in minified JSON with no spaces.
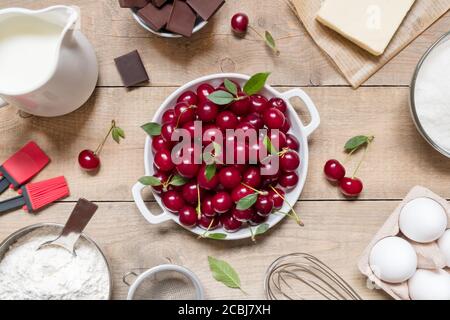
{"x":164,"y":282}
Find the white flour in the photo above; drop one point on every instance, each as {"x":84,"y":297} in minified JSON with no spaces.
{"x":52,"y":273}
{"x":432,"y":95}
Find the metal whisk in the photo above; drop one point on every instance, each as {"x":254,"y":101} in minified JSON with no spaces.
{"x":301,"y":276}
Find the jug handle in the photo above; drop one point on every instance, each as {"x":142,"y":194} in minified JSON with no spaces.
{"x":3,"y":103}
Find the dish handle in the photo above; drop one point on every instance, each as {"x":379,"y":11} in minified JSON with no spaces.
{"x":315,"y":118}
{"x":153,"y":219}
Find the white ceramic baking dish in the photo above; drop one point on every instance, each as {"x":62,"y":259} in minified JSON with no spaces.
{"x":301,"y":131}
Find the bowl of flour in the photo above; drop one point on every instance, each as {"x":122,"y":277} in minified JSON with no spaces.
{"x":52,"y":273}
{"x":430,"y":95}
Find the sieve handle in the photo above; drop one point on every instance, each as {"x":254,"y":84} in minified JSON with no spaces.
{"x":153,"y":219}
{"x":312,"y":109}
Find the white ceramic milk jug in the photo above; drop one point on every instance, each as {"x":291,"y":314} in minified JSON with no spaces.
{"x":47,"y":67}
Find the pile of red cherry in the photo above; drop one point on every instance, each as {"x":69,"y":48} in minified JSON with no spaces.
{"x":220,"y":194}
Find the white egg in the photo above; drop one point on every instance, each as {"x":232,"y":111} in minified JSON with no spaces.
{"x":393,"y":260}
{"x":429,"y":285}
{"x":444,"y":245}
{"x":423,"y":220}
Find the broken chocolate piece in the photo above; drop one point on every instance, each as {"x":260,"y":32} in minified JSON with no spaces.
{"x":133,"y":3}
{"x":206,"y":8}
{"x":159,"y":3}
{"x":182,"y":19}
{"x":155,"y":18}
{"x":131,"y":69}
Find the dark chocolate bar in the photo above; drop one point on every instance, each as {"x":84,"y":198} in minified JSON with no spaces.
{"x":133,"y":3}
{"x":159,"y":3}
{"x":182,"y":19}
{"x":131,"y":69}
{"x":154,"y":17}
{"x":206,"y":8}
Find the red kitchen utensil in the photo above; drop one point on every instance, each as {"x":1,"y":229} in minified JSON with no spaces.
{"x":35,"y":196}
{"x":22,"y":166}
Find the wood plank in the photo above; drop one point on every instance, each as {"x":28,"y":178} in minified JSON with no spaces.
{"x":336,"y":235}
{"x":173,"y":62}
{"x":398,"y":160}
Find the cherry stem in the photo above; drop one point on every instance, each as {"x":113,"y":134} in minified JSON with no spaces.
{"x":263,"y":193}
{"x":296,"y":217}
{"x":253,"y":234}
{"x":277,"y":52}
{"x":203,"y":235}
{"x":199,"y":206}
{"x":100,"y":147}
{"x":362,"y":159}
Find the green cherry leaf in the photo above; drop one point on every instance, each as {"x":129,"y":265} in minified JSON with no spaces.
{"x":117,"y":134}
{"x":224,"y":273}
{"x":356,"y":142}
{"x":269,"y":146}
{"x":221,"y":97}
{"x":231,"y":86}
{"x":152,"y":128}
{"x":256,"y":83}
{"x":210,"y":171}
{"x":177,"y":181}
{"x":247,"y":201}
{"x":262,"y":228}
{"x":270,"y":41}
{"x":150,"y":181}
{"x":217,"y":236}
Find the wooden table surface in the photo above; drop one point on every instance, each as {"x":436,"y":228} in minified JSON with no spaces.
{"x":336,"y":230}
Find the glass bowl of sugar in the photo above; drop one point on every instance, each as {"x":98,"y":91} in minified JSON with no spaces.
{"x":430,"y":95}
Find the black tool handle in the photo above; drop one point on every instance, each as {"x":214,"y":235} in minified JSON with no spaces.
{"x":13,"y":203}
{"x":4,"y":184}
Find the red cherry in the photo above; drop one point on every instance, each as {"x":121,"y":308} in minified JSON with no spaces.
{"x":167,"y":131}
{"x":158,"y":143}
{"x":269,"y":169}
{"x":229,"y":223}
{"x":207,"y":207}
{"x":278,"y":139}
{"x":241,"y":107}
{"x":256,"y":120}
{"x":88,"y":160}
{"x":230,"y":177}
{"x":190,"y":165}
{"x":190,"y":192}
{"x":243,"y":215}
{"x":264,"y":205}
{"x":211,"y":133}
{"x":252,"y":177}
{"x":241,"y":152}
{"x":188,"y":97}
{"x":222,"y":202}
{"x":334,"y":170}
{"x":163,"y":160}
{"x":190,"y":127}
{"x":245,"y":126}
{"x":351,"y":187}
{"x":240,"y":192}
{"x":184,"y":113}
{"x":276,"y":198}
{"x":258,"y":104}
{"x":289,"y":161}
{"x":161,"y":176}
{"x":274,"y":118}
{"x":208,"y":223}
{"x":287,"y":125}
{"x":168,"y":116}
{"x":239,"y":23}
{"x":173,"y":201}
{"x":203,"y":91}
{"x":256,"y":219}
{"x":207,"y":111}
{"x":288,"y":180}
{"x":188,"y":217}
{"x":226,"y":120}
{"x":203,"y":180}
{"x":279,"y":104}
{"x":292,"y":142}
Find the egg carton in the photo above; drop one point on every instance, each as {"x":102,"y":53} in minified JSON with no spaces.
{"x":429,"y":256}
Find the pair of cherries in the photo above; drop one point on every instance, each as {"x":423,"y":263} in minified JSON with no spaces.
{"x":335,"y":172}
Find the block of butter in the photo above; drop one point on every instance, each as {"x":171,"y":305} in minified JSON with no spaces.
{"x":370,"y":24}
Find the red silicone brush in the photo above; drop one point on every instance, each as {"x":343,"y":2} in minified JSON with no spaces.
{"x":22,"y":166}
{"x":35,"y":196}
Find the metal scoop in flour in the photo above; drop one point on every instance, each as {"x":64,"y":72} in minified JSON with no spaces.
{"x":78,"y":220}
